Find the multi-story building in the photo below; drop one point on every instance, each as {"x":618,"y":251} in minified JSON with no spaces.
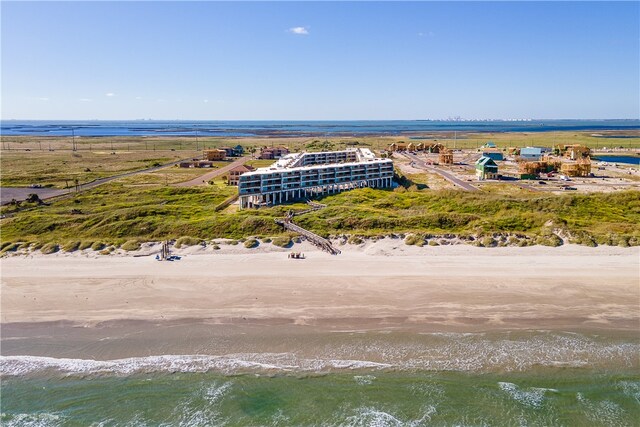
{"x":305,"y":175}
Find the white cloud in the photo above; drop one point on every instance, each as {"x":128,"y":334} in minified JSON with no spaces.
{"x":109,"y":94}
{"x":205,"y":101}
{"x":43,"y":99}
{"x":85,"y":100}
{"x":302,"y":31}
{"x":138,"y":97}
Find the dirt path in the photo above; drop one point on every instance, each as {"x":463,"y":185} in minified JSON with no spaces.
{"x":203,"y":179}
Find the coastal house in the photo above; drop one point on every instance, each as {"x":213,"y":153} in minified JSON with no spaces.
{"x":215,"y":154}
{"x":486,"y":168}
{"x":493,"y":154}
{"x":271,"y":153}
{"x":533,"y":153}
{"x":234,"y":174}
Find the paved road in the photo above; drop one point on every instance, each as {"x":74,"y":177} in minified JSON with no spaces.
{"x":445,"y":174}
{"x":205,"y":178}
{"x":21,"y":193}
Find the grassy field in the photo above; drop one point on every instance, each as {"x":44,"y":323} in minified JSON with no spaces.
{"x":146,"y":207}
{"x":59,"y":169}
{"x":114,"y":214}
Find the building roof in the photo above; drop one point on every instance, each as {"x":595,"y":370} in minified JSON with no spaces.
{"x":242,"y":168}
{"x":485,"y":161}
{"x":363,"y":155}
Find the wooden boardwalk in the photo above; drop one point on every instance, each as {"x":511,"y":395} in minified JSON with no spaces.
{"x":320,"y":242}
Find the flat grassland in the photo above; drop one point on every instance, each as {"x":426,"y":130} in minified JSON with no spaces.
{"x":148,"y":207}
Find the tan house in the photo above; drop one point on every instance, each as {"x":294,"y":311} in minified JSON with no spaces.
{"x":215,"y":154}
{"x":234,"y":174}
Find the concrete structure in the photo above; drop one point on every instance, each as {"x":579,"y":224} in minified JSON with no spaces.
{"x":271,"y":153}
{"x":215,"y":154}
{"x":486,"y":168}
{"x":234,"y":174}
{"x":305,"y":175}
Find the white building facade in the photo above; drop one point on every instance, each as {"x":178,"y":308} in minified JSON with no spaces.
{"x":306,"y":175}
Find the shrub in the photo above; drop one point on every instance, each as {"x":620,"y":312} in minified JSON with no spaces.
{"x":216,"y":247}
{"x":251,"y":243}
{"x":86,"y":244}
{"x":433,"y":243}
{"x":71,"y":246}
{"x":414,"y":239}
{"x":488,"y":242}
{"x":187,"y":241}
{"x":50,"y":248}
{"x":11,"y":247}
{"x":355,"y":240}
{"x":266,"y":240}
{"x":97,"y":246}
{"x":549,"y":240}
{"x":233,"y":242}
{"x":130,"y":245}
{"x":36,"y":245}
{"x":283,"y":242}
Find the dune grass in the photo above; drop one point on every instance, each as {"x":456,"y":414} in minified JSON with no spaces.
{"x":114,"y":214}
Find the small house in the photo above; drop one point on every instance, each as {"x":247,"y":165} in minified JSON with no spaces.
{"x":486,"y":168}
{"x":234,"y":174}
{"x":270,"y":153}
{"x":215,"y":154}
{"x":533,"y":153}
{"x":493,"y":154}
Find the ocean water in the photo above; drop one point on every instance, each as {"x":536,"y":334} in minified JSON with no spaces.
{"x":296,"y":128}
{"x":535,"y":378}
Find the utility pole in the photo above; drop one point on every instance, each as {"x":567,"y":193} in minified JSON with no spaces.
{"x":73,"y":139}
{"x":196,"y":139}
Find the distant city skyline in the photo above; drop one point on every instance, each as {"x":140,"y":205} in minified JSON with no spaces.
{"x":320,"y":61}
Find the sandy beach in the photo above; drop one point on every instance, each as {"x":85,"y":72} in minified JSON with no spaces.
{"x":376,"y":285}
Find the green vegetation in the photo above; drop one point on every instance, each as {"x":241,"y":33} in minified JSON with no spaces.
{"x":130,"y":245}
{"x":251,"y":243}
{"x":71,"y":246}
{"x":114,"y":214}
{"x":50,"y":248}
{"x":414,"y":239}
{"x":283,"y":241}
{"x":187,"y":241}
{"x":144,"y":208}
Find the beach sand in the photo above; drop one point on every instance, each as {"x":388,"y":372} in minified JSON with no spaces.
{"x":384,"y":283}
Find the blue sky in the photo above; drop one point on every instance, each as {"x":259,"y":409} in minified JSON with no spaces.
{"x":305,"y":61}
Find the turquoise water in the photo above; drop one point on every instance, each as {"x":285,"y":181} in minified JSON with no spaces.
{"x":505,"y":378}
{"x":364,"y":398}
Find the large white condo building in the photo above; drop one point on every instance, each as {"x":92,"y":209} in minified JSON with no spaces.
{"x":305,"y":175}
